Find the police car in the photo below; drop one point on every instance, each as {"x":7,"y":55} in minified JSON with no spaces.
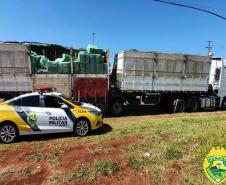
{"x":46,"y":112}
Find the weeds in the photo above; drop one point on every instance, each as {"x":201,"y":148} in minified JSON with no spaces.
{"x":26,"y":170}
{"x":81,"y":173}
{"x":106,"y":168}
{"x":36,"y":157}
{"x":13,"y":170}
{"x":134,"y":162}
{"x":76,"y":174}
{"x":9,"y":172}
{"x":173,"y":153}
{"x":53,"y":158}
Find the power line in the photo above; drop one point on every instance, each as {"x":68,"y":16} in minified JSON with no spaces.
{"x":192,"y":7}
{"x":204,"y":6}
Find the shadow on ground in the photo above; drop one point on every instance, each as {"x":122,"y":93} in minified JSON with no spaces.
{"x":103,"y":130}
{"x":45,"y":137}
{"x":141,"y":110}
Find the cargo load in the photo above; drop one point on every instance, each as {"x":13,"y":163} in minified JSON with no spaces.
{"x":39,"y":63}
{"x":76,"y":67}
{"x":83,"y":57}
{"x":89,"y":61}
{"x":52,"y":67}
{"x":92,"y":49}
{"x":64,"y":67}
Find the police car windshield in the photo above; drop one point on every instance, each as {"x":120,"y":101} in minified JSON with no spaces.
{"x":71,"y":100}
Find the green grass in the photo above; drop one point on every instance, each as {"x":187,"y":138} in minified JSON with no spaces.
{"x":87,"y":173}
{"x":37,"y":157}
{"x":77,"y":174}
{"x":134,"y":162}
{"x":52,"y":158}
{"x":190,"y":138}
{"x":26,"y":170}
{"x":106,"y":167}
{"x":190,"y":141}
{"x":173,"y":153}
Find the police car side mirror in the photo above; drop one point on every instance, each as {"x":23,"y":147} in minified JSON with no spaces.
{"x":65,"y":107}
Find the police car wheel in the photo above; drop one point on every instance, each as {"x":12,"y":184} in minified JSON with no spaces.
{"x":82,"y":127}
{"x":8,"y":133}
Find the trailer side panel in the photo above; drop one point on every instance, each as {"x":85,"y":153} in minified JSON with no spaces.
{"x":154,"y":71}
{"x":60,"y":82}
{"x":91,"y":88}
{"x":14,"y":68}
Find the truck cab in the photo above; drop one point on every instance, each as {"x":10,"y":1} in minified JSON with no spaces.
{"x":218,"y":79}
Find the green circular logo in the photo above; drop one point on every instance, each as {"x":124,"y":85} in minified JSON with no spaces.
{"x":32,"y":118}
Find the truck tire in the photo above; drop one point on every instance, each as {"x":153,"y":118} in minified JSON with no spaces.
{"x":179,"y":106}
{"x":223,"y":105}
{"x":116,"y":108}
{"x":193,"y":105}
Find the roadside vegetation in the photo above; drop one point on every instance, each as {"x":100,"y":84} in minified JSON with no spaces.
{"x":163,"y":149}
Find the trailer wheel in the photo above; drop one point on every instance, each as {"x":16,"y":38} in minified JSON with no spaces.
{"x":116,"y":108}
{"x":179,"y":106}
{"x":223,"y":105}
{"x":193,"y":105}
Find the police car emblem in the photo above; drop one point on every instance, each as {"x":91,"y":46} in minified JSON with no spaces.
{"x":32,"y":118}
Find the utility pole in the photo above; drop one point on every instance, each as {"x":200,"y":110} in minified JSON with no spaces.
{"x":93,"y":37}
{"x":209,"y":47}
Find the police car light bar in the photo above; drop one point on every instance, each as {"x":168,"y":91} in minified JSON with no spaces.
{"x":45,"y":89}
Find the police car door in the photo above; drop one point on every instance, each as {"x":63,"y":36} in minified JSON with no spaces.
{"x":56,"y":119}
{"x":28,"y":109}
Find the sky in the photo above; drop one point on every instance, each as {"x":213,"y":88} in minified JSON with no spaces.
{"x":118,"y":24}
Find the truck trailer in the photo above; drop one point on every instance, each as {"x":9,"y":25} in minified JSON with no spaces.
{"x":176,"y":82}
{"x":172,"y":81}
{"x":17,"y":74}
{"x":15,"y":70}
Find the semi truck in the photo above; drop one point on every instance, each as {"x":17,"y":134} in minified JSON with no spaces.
{"x":172,"y":81}
{"x":176,"y":82}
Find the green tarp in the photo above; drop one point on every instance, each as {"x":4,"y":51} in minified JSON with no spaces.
{"x":52,"y":67}
{"x":92,"y":49}
{"x":76,"y":67}
{"x":89,"y":61}
{"x":64,"y":67}
{"x":83,"y":57}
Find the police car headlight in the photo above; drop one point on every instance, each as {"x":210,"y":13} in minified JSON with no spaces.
{"x":95,"y":112}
